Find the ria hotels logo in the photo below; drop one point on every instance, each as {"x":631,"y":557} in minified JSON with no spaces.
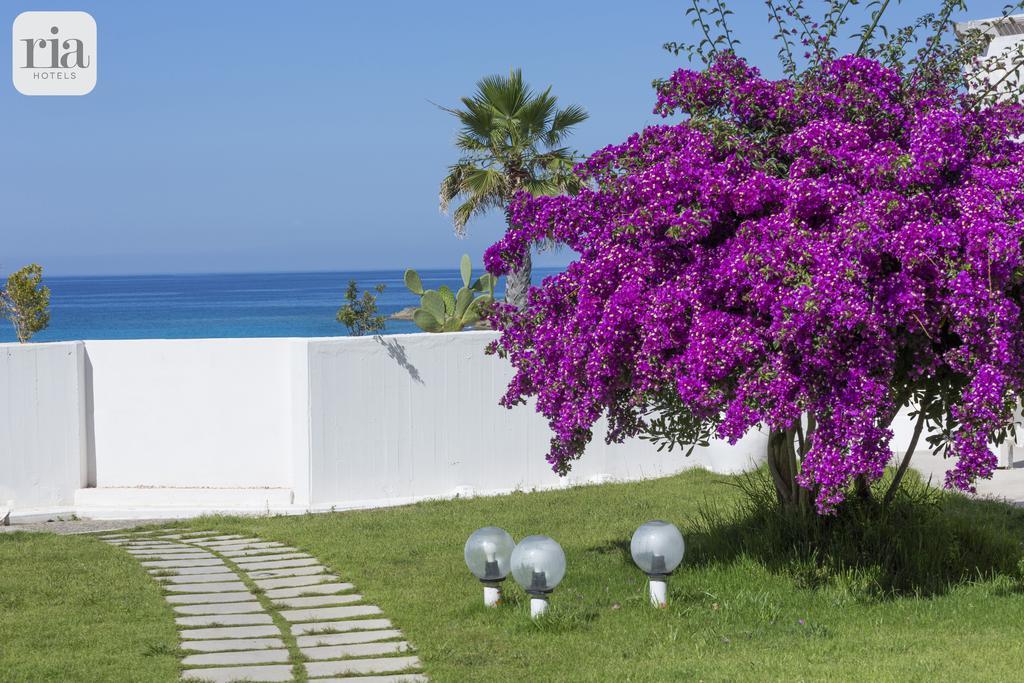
{"x":54,"y":53}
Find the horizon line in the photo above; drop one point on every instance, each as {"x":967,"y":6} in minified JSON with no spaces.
{"x":268,"y":272}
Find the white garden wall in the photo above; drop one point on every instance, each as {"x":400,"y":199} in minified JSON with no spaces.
{"x":42,"y":424}
{"x":191,"y":413}
{"x":405,"y":417}
{"x":180,"y":427}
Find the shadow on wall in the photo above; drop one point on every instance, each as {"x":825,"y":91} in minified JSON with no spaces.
{"x":397,"y":353}
{"x":90,"y":432}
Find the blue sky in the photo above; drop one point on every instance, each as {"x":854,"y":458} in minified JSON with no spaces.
{"x":275,"y":136}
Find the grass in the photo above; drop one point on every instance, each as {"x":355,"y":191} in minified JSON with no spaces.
{"x":75,"y":609}
{"x":930,"y":590}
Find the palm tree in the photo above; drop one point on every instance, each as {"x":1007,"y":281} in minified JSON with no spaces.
{"x":510,"y":140}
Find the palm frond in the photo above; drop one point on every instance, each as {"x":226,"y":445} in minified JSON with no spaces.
{"x":510,"y":137}
{"x":563,"y":122}
{"x":451,"y":186}
{"x":473,"y":205}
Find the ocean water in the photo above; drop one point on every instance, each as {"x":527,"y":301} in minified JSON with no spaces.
{"x":221,"y":305}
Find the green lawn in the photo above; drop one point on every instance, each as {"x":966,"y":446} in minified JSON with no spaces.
{"x":75,"y":609}
{"x":740,"y":609}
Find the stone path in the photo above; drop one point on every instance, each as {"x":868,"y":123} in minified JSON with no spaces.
{"x":250,"y":610}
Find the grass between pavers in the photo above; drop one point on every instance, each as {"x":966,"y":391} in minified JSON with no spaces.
{"x":73,"y":608}
{"x":733,"y":616}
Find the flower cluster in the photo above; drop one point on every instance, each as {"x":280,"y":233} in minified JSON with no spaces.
{"x":837,"y":245}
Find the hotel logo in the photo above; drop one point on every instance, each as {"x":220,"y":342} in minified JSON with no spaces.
{"x":54,"y":53}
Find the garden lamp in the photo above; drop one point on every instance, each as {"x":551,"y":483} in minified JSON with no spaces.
{"x":657,"y":548}
{"x":538,"y":565}
{"x":488,"y":554}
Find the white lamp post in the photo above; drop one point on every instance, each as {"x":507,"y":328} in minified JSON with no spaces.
{"x":538,"y":565}
{"x":488,"y":555}
{"x":657,"y":548}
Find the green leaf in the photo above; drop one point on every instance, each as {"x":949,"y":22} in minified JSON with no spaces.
{"x":433,"y":303}
{"x":426,"y":320}
{"x":462,"y":302}
{"x":484,"y":283}
{"x":471,"y":316}
{"x":466,"y":267}
{"x":413,"y":282}
{"x":449,"y":299}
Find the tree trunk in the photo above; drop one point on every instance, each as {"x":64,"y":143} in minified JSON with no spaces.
{"x":786,"y":451}
{"x":517,"y":283}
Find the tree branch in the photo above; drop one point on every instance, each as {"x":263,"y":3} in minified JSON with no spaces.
{"x":902,"y":470}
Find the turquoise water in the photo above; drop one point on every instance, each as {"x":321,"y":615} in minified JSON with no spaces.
{"x":224,"y":305}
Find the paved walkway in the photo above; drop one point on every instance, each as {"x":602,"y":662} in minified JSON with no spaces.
{"x":250,"y":610}
{"x":79,"y":526}
{"x":1006,"y":484}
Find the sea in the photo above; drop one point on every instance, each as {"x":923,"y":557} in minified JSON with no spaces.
{"x":222,"y":305}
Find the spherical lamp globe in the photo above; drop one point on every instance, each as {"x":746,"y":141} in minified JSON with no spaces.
{"x":488,"y":555}
{"x":657,"y":548}
{"x":538,"y":565}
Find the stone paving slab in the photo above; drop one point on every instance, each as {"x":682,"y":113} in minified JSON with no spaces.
{"x":229,"y":632}
{"x":181,"y":571}
{"x":329,"y":613}
{"x":174,"y":556}
{"x":200,"y":578}
{"x":236,"y":543}
{"x":295,"y":581}
{"x":350,"y":638}
{"x":212,"y":587}
{"x":212,"y":620}
{"x":272,"y":557}
{"x":289,"y":571}
{"x":255,"y":674}
{"x":196,"y":598}
{"x":319,"y":600}
{"x":234,"y":644}
{"x":362,"y":666}
{"x":166,"y":550}
{"x":306,"y":591}
{"x":181,"y":564}
{"x":136,"y":543}
{"x":239,"y":657}
{"x":358,"y":650}
{"x":280,"y":564}
{"x":219,"y":608}
{"x":387,"y":678}
{"x":238,"y":547}
{"x":257,"y":552}
{"x":330,"y":627}
{"x":217,"y":539}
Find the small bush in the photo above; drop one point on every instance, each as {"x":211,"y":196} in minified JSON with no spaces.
{"x":924,"y":543}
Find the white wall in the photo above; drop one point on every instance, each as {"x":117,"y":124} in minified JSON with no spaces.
{"x":160,"y":426}
{"x":412,"y":416}
{"x":42,"y":424}
{"x":191,"y":413}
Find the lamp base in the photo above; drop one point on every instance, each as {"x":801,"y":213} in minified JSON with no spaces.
{"x":659,"y":592}
{"x":492,"y":596}
{"x":538,"y":606}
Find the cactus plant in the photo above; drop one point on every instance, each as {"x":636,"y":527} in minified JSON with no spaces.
{"x":443,"y":310}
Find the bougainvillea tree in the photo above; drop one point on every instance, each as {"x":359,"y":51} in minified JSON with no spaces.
{"x":807,"y":255}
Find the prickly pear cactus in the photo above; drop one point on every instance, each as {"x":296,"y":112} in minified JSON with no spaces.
{"x":443,"y":310}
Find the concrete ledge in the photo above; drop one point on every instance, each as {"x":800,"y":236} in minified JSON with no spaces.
{"x":141,"y":503}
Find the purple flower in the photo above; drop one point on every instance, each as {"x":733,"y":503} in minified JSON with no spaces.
{"x":833,"y":244}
